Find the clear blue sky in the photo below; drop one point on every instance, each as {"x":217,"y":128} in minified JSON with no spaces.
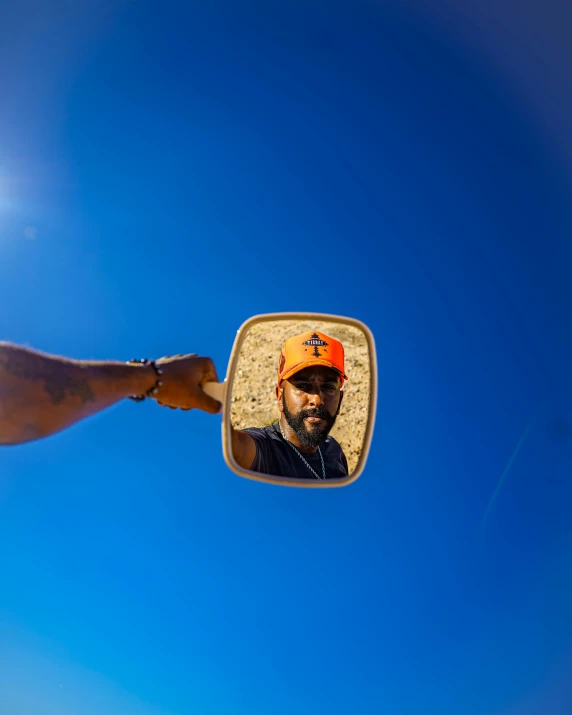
{"x":168,"y":170}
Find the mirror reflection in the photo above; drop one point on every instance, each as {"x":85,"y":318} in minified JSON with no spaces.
{"x":300,"y":399}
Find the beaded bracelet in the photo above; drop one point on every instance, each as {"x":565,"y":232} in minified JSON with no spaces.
{"x":153,"y":391}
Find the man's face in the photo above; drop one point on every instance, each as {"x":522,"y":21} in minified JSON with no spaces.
{"x":310,"y":401}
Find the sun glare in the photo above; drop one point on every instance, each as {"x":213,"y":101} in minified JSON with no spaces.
{"x":5,"y":202}
{"x":8,"y":196}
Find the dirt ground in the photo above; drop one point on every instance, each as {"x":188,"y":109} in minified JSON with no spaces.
{"x":253,"y":400}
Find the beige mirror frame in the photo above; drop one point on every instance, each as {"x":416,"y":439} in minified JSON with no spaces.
{"x":223,"y":393}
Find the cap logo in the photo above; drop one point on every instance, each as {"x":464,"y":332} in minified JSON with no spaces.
{"x":315,"y":342}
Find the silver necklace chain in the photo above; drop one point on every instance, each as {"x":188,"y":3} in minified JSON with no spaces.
{"x":302,"y":458}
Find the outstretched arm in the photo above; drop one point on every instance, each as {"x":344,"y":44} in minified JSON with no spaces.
{"x":42,"y":394}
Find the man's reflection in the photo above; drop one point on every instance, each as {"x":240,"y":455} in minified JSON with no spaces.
{"x":309,"y":392}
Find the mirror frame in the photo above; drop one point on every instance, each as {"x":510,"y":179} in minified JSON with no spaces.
{"x":232,"y":365}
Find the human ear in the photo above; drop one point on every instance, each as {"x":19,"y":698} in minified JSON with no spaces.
{"x":279,"y":397}
{"x":340,"y":403}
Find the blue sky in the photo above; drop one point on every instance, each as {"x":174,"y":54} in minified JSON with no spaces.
{"x":166,"y":175}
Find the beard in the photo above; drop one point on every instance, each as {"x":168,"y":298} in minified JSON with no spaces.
{"x":309,"y":436}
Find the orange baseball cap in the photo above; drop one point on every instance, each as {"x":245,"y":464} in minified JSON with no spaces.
{"x":311,"y":348}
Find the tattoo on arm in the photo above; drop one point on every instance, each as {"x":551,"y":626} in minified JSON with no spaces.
{"x":60,"y":380}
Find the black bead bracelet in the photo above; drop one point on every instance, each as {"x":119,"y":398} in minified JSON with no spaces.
{"x":153,"y":391}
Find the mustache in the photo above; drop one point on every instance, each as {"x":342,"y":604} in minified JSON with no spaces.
{"x":321,"y":412}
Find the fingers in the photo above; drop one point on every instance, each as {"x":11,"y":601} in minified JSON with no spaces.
{"x":171,"y":407}
{"x":171,"y":360}
{"x":209,"y":371}
{"x":184,"y":376}
{"x":207,"y":403}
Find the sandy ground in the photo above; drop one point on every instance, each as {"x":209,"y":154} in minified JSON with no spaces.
{"x":253,"y":400}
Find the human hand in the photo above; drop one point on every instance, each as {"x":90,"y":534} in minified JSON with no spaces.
{"x":183,"y":377}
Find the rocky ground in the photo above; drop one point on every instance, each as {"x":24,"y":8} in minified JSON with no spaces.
{"x":253,"y":400}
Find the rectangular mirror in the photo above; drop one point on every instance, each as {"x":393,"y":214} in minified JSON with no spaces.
{"x":300,"y":399}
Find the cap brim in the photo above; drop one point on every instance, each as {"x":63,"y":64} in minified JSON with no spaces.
{"x":309,"y":363}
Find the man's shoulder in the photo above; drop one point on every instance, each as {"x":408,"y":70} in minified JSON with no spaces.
{"x":332,"y":443}
{"x":268,"y":432}
{"x":334,"y":451}
{"x":270,"y":450}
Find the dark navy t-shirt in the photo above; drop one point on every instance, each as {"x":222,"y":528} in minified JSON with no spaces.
{"x":274,"y":456}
